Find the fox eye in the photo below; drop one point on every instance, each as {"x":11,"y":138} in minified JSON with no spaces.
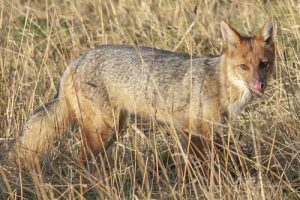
{"x":263,"y":64}
{"x":244,"y":67}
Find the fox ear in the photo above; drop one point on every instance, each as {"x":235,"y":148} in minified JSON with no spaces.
{"x":268,"y":32}
{"x":230,"y":36}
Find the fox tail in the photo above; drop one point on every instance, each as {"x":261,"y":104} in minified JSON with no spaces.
{"x":39,"y":131}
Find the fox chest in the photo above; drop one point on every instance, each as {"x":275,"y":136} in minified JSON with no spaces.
{"x":237,"y":105}
{"x":221,"y":110}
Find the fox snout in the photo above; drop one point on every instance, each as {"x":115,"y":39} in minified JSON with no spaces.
{"x":259,"y":86}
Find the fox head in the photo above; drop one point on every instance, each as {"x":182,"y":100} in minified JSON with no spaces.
{"x":250,"y":60}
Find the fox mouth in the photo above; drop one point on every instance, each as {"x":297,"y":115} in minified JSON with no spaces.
{"x":256,"y":93}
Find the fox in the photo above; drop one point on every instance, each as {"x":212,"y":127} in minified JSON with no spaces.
{"x":102,"y":87}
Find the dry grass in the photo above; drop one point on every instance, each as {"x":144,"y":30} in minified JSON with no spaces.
{"x":39,"y":38}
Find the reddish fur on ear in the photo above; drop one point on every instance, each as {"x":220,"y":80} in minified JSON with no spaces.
{"x":231,"y":37}
{"x":268,"y":32}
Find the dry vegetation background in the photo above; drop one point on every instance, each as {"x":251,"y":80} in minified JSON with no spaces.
{"x":39,"y":38}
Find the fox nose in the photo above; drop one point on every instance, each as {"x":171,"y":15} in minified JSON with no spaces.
{"x":259,"y":85}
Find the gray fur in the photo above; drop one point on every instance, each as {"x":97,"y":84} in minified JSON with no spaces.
{"x":149,"y":77}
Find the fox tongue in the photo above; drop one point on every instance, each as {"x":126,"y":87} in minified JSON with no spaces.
{"x":258,"y":85}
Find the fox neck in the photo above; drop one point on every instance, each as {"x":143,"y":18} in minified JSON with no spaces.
{"x":235,"y":95}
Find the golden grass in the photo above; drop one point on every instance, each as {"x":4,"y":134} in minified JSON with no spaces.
{"x":39,"y":38}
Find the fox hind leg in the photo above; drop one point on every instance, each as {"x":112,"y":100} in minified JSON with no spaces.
{"x":96,"y":131}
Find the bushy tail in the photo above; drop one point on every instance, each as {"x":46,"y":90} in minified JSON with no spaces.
{"x":39,"y":132}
